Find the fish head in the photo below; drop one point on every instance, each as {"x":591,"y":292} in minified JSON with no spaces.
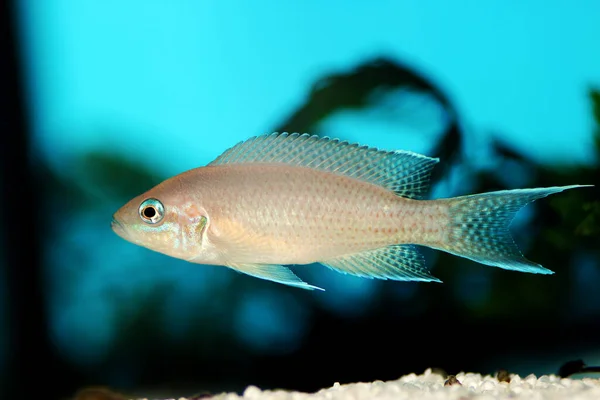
{"x":162,"y":221}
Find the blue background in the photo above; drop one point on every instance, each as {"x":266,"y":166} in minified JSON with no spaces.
{"x":165,"y":87}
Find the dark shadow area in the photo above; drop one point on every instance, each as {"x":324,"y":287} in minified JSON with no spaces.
{"x":30,"y":354}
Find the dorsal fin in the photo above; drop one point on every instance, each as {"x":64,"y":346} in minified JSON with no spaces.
{"x":404,"y":172}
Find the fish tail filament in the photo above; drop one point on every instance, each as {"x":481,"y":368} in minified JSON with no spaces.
{"x":479,"y":227}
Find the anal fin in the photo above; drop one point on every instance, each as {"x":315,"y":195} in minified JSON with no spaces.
{"x":273,"y":272}
{"x":396,"y":262}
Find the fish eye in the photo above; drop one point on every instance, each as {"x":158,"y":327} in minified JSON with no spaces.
{"x":151,"y":211}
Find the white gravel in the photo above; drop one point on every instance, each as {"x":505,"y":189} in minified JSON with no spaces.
{"x":430,"y":386}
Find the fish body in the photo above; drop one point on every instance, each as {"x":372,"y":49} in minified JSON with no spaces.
{"x":282,"y":199}
{"x":296,"y":215}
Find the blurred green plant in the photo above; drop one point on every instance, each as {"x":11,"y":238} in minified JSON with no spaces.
{"x":590,"y":225}
{"x":560,"y":227}
{"x":362,"y":87}
{"x":569,"y":221}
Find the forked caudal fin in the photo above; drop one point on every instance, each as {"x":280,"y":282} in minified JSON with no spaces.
{"x":479,"y":227}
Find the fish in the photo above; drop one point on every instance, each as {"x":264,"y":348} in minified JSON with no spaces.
{"x":282,"y":199}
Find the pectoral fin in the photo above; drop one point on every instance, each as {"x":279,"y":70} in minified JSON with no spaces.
{"x":273,"y":272}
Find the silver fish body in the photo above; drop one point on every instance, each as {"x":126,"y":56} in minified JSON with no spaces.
{"x":282,"y":199}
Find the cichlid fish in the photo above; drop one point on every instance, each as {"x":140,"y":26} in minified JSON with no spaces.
{"x":281,"y":199}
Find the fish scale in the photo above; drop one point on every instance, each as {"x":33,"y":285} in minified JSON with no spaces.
{"x":280,"y":199}
{"x":328,"y":200}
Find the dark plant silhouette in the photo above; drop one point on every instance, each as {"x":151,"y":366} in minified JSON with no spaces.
{"x":474,"y":301}
{"x":361,"y":87}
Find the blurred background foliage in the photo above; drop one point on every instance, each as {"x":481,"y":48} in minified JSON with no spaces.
{"x":143,"y":323}
{"x":240,"y":331}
